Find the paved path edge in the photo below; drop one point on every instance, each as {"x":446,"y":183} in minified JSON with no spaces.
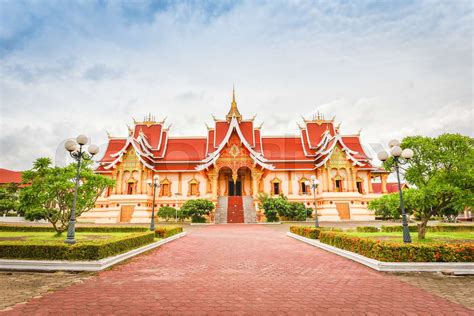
{"x":79,"y":266}
{"x":457,"y":268}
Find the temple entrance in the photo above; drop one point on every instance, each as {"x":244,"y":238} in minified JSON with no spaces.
{"x":235,"y":188}
{"x":230,"y":186}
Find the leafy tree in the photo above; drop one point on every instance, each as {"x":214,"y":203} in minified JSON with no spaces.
{"x":271,"y":215}
{"x":9,"y":199}
{"x":298,"y":211}
{"x":387,"y":206}
{"x":167,"y":212}
{"x":275,"y":207}
{"x":196,"y":209}
{"x":182,"y":215}
{"x":51,"y":191}
{"x":442,"y":175}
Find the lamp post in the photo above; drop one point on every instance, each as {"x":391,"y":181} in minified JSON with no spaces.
{"x":77,"y":152}
{"x":400,"y":157}
{"x":314,"y":185}
{"x":155,"y":184}
{"x":176,"y":208}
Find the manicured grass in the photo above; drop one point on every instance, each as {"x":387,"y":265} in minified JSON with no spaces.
{"x":51,"y":237}
{"x":431,"y":237}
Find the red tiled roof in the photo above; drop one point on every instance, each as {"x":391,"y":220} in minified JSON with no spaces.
{"x":185,"y":149}
{"x":306,"y":151}
{"x":9,"y":176}
{"x":283,"y":148}
{"x":392,"y":187}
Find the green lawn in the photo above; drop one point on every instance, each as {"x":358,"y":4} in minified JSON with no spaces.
{"x":51,"y":237}
{"x":431,"y":237}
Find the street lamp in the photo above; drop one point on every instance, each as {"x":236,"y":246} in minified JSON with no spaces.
{"x":400,"y":157}
{"x":314,"y":185}
{"x":155,"y":184}
{"x":176,"y":209}
{"x":75,"y":149}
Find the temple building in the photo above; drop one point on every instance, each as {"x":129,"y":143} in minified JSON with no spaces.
{"x":231,"y":165}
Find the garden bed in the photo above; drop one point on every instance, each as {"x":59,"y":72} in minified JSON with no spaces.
{"x":92,"y":243}
{"x":391,"y":251}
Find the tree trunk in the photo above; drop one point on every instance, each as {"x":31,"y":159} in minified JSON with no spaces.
{"x":422,"y":228}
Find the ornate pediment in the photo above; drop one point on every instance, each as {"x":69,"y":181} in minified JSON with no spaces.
{"x":338,"y":159}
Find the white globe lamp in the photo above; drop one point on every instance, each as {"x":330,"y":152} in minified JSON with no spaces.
{"x":82,"y":139}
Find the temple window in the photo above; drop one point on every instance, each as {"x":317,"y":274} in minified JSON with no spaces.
{"x":359,"y":186}
{"x":193,"y":189}
{"x":303,"y":189}
{"x":275,"y":186}
{"x":165,"y":189}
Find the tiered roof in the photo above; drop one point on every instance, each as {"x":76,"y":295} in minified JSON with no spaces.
{"x":312,"y":148}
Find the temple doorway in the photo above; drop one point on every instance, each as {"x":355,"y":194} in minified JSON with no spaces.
{"x":235,"y":188}
{"x":228,"y":186}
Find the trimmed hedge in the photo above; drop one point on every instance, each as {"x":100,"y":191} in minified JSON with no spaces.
{"x":397,"y":252}
{"x":311,"y":231}
{"x":367,"y":229}
{"x":95,"y":229}
{"x":437,"y":228}
{"x":167,"y":231}
{"x":306,"y":231}
{"x":398,"y":228}
{"x":88,"y":250}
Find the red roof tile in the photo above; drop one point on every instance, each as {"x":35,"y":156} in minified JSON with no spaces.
{"x":9,"y":176}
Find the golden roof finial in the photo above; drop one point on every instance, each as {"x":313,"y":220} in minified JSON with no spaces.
{"x":234,"y":111}
{"x":233,"y":93}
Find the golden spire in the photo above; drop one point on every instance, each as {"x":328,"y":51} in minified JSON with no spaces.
{"x":234,"y":111}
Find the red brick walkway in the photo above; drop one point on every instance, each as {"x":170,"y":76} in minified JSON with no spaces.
{"x":240,"y":269}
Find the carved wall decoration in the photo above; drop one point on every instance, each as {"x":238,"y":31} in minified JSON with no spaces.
{"x":193,"y":187}
{"x":165,"y":187}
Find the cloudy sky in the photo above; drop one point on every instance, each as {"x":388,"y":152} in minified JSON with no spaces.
{"x":392,"y":68}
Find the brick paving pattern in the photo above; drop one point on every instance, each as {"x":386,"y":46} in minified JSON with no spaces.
{"x":17,"y":287}
{"x":241,"y":269}
{"x":454,"y":288}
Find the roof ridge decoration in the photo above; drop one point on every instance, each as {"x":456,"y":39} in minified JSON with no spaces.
{"x":234,"y":111}
{"x":212,"y":157}
{"x":318,"y":118}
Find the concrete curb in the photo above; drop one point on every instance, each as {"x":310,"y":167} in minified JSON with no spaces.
{"x":96,"y":265}
{"x":202,"y":224}
{"x":457,"y":268}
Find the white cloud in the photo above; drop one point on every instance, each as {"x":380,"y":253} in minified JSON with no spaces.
{"x":390,"y":69}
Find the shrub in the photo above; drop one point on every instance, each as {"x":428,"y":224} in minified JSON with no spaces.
{"x":311,"y":231}
{"x":398,"y":228}
{"x":278,"y":204}
{"x":87,"y":250}
{"x":98,"y":229}
{"x":306,"y":231}
{"x":367,"y":229}
{"x":167,"y":212}
{"x":397,"y":252}
{"x":451,"y":228}
{"x":167,"y":231}
{"x":196,"y":209}
{"x":271,"y":215}
{"x":437,"y":228}
{"x":297,"y":211}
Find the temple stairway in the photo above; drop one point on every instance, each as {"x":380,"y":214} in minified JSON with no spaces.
{"x":221,"y":210}
{"x":250,"y":214}
{"x":235,"y":209}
